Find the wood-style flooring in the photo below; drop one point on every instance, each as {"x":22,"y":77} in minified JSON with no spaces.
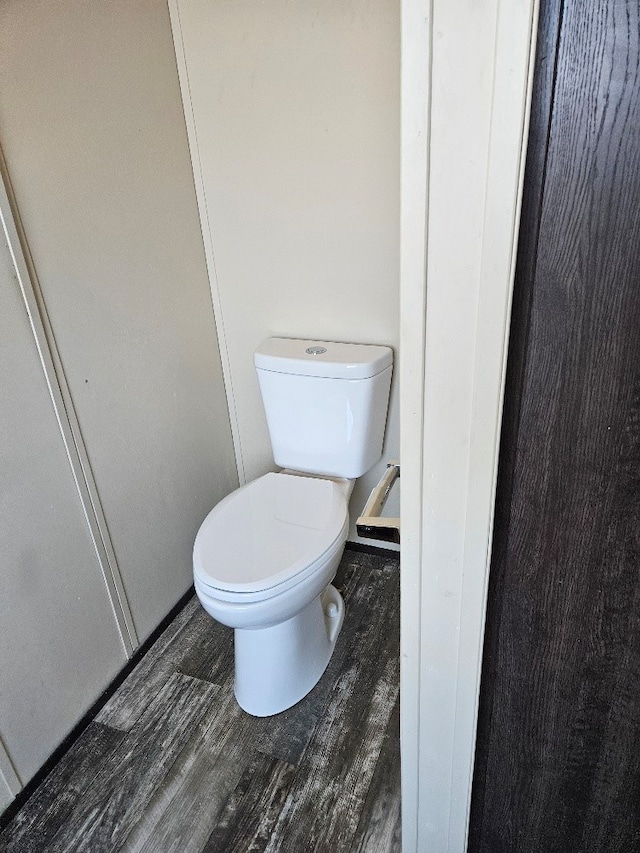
{"x":171,"y":763}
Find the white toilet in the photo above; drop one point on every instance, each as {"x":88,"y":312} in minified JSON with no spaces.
{"x":265,"y":556}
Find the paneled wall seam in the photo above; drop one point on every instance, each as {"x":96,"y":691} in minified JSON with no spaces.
{"x":62,"y":402}
{"x":207,"y":236}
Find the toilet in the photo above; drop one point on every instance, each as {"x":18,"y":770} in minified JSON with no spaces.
{"x":265,"y":556}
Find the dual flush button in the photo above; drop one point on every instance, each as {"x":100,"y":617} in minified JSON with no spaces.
{"x":315,"y":350}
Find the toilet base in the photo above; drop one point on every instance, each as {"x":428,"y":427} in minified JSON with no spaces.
{"x":276,"y":667}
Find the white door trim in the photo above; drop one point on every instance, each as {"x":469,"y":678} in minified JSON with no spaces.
{"x":466,"y":84}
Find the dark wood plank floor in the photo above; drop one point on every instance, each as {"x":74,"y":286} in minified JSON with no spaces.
{"x":171,"y":763}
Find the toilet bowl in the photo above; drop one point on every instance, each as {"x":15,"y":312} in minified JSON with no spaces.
{"x":264,"y":559}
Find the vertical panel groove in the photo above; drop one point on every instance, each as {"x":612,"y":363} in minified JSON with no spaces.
{"x":207,"y":235}
{"x":63,"y":407}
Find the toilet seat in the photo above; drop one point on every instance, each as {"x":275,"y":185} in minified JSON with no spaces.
{"x":269,"y":536}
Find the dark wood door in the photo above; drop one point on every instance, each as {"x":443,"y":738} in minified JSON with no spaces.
{"x":558,"y":750}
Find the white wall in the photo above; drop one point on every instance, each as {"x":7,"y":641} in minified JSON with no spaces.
{"x":59,"y":642}
{"x":92,"y":127}
{"x":293,"y":112}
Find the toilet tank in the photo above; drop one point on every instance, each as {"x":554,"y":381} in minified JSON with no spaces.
{"x":326,"y":403}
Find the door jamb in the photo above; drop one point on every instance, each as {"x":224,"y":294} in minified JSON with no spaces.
{"x":467,"y":73}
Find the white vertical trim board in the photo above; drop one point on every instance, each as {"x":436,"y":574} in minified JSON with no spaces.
{"x":65,"y":412}
{"x":207,"y":236}
{"x":455,"y":318}
{"x":415,"y":82}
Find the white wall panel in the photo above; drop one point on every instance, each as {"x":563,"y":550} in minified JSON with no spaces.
{"x":293,"y":111}
{"x":92,"y":127}
{"x":59,"y":641}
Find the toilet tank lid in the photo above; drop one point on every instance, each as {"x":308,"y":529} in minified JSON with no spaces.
{"x":322,"y":358}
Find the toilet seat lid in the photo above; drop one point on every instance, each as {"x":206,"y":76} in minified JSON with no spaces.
{"x":268,"y":531}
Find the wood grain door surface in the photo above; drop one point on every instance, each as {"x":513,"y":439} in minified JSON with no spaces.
{"x":558,"y":750}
